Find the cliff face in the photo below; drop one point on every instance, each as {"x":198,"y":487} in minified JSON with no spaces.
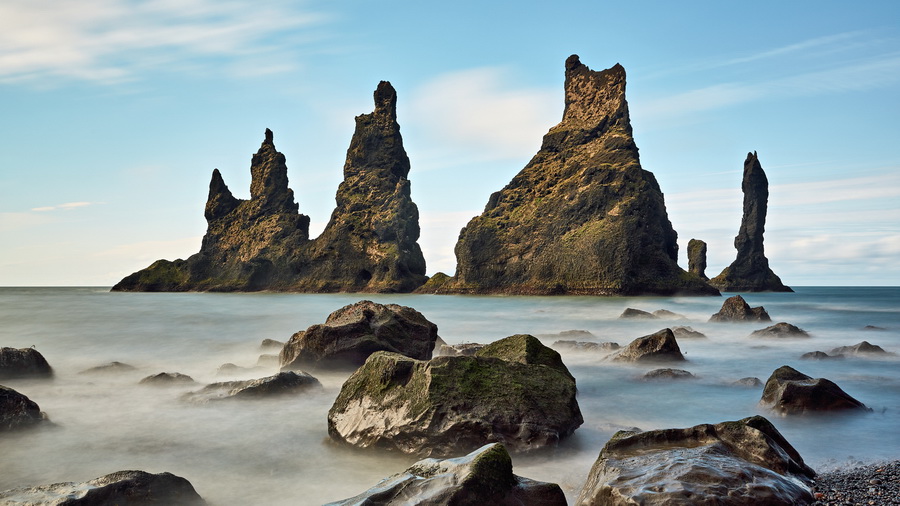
{"x":263,"y":243}
{"x":582,"y":217}
{"x":750,"y":271}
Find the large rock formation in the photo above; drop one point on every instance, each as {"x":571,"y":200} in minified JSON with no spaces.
{"x":482,"y":477}
{"x":742,"y":463}
{"x":582,"y":217}
{"x":750,"y":271}
{"x":790,"y":392}
{"x":515,"y":391}
{"x":697,"y":258}
{"x":126,"y":488}
{"x":263,"y":243}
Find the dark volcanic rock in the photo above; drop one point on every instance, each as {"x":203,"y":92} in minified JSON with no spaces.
{"x":582,"y":217}
{"x":782,"y":329}
{"x":864,"y":348}
{"x":352,"y":333}
{"x":687,"y":333}
{"x":658,"y":347}
{"x":631,"y":313}
{"x":23,"y":363}
{"x":790,"y":392}
{"x":110,"y":368}
{"x":697,"y":258}
{"x":668,"y":374}
{"x":369,"y":245}
{"x":750,"y":271}
{"x":283,"y":383}
{"x":125,"y":488}
{"x":17,"y":410}
{"x":744,"y":463}
{"x":167,"y":379}
{"x":514,"y":391}
{"x":736,"y":309}
{"x":482,"y":477}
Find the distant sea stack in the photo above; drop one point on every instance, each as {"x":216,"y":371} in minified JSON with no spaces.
{"x":582,"y":217}
{"x":369,"y":245}
{"x":750,"y":271}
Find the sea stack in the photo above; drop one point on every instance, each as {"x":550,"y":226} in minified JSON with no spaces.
{"x":582,"y":217}
{"x":750,"y":271}
{"x":263,"y":243}
{"x":697,"y":258}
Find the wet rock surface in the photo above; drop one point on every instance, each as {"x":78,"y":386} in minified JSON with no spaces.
{"x":780,"y":330}
{"x":17,"y":411}
{"x":283,"y":383}
{"x":482,"y":477}
{"x":747,"y":462}
{"x":352,"y":333}
{"x":736,"y":309}
{"x":791,"y":392}
{"x":23,"y":363}
{"x":125,"y":488}
{"x":657,"y":347}
{"x":515,"y":391}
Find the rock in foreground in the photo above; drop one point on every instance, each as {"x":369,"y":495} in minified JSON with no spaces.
{"x":515,"y":391}
{"x":741,"y":463}
{"x":658,"y":347}
{"x":284,"y":383}
{"x":17,"y":410}
{"x":125,"y":488}
{"x":352,"y":333}
{"x":23,"y":363}
{"x":736,"y":309}
{"x":790,"y":392}
{"x":482,"y":477}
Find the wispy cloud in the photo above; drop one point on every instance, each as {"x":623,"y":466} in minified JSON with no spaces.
{"x":112,"y":41}
{"x":66,"y":206}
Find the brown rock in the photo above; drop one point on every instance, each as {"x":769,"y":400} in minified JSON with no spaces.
{"x":736,"y":309}
{"x":658,"y":347}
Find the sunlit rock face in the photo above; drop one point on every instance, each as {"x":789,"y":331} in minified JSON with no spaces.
{"x":369,"y":245}
{"x":750,"y":271}
{"x":742,"y":463}
{"x":582,"y":217}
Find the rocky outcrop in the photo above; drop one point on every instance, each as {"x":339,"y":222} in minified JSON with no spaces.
{"x":697,"y":258}
{"x":742,"y":463}
{"x":283,"y":383}
{"x":482,"y":477}
{"x":750,"y":271}
{"x":863,"y":348}
{"x":819,"y":355}
{"x":168,"y":379}
{"x":23,"y":363}
{"x":126,"y":488}
{"x":736,"y":309}
{"x":369,"y":245}
{"x":514,"y":391}
{"x":582,"y":217}
{"x":17,"y":411}
{"x":657,"y":347}
{"x":791,"y":392}
{"x":352,"y":333}
{"x":780,"y":330}
{"x":668,"y":374}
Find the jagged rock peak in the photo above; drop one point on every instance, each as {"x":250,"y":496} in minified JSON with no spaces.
{"x":376,"y":144}
{"x":269,"y":181}
{"x":590,"y":95}
{"x":220,"y":201}
{"x":697,"y":258}
{"x":386,"y":100}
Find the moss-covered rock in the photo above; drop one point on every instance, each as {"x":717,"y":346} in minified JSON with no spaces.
{"x":449,"y":405}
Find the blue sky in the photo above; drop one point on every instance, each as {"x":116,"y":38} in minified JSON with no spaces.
{"x":115,"y":113}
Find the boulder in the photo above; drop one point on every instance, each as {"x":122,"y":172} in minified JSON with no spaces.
{"x":125,"y":488}
{"x":665,"y":314}
{"x":657,"y":347}
{"x":585,"y":346}
{"x":819,"y":355}
{"x":683,"y":332}
{"x":742,"y":463}
{"x":168,"y":379}
{"x":18,"y":411}
{"x":748,"y":382}
{"x":780,"y":330}
{"x":352,"y":333}
{"x":23,"y":363}
{"x":110,"y":368}
{"x":283,"y":383}
{"x":750,"y":270}
{"x":697,"y":258}
{"x":270,"y":344}
{"x":631,"y":313}
{"x":864,"y":348}
{"x":668,"y":374}
{"x":791,"y":392}
{"x":515,"y":391}
{"x":736,"y":309}
{"x":482,"y":477}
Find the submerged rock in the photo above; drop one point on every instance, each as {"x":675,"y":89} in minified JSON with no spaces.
{"x":125,"y":488}
{"x":864,"y":348}
{"x":283,"y":383}
{"x":750,"y":271}
{"x":482,"y":477}
{"x":741,"y":463}
{"x":791,"y":392}
{"x":668,"y":374}
{"x":631,"y":313}
{"x":819,"y":355}
{"x":167,"y":379}
{"x":748,"y":382}
{"x":585,"y":346}
{"x":697,"y":258}
{"x":352,"y":333}
{"x":583,"y":217}
{"x":270,"y":344}
{"x":736,"y":309}
{"x":515,"y":391}
{"x":665,"y":314}
{"x":780,"y":330}
{"x":657,"y":347}
{"x":23,"y":363}
{"x":110,"y":368}
{"x":687,"y":333}
{"x":17,"y":411}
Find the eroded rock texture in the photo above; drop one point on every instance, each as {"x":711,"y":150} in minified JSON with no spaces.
{"x":582,"y":217}
{"x":750,"y":271}
{"x":790,"y":392}
{"x":697,"y":258}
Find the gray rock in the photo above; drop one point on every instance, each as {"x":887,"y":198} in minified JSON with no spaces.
{"x":658,"y":347}
{"x":683,"y":332}
{"x":631,"y":313}
{"x":665,"y":314}
{"x":748,"y":382}
{"x":124,"y":488}
{"x":791,"y":392}
{"x":780,"y":330}
{"x":736,"y":309}
{"x":283,"y":383}
{"x":23,"y":363}
{"x":482,"y":477}
{"x":863,"y":348}
{"x":110,"y":368}
{"x":668,"y":374}
{"x":17,"y":411}
{"x":168,"y":379}
{"x":585,"y":346}
{"x":819,"y":355}
{"x":741,"y":463}
{"x":270,"y":344}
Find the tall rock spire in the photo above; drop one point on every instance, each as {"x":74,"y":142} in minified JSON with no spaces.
{"x":750,"y":271}
{"x":269,"y":181}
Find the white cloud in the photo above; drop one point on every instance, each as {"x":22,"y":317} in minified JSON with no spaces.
{"x":111,"y":41}
{"x":66,"y":206}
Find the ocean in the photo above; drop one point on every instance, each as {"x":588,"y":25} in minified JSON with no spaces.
{"x":277,"y":452}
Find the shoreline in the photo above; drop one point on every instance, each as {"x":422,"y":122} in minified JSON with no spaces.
{"x":867,"y":484}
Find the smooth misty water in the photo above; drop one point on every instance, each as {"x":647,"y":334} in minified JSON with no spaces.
{"x":276,"y":452}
